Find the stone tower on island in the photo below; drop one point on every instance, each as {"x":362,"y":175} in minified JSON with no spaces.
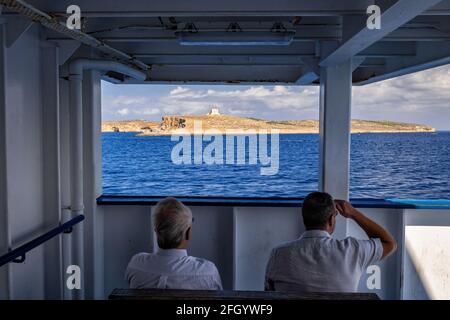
{"x":214,"y":112}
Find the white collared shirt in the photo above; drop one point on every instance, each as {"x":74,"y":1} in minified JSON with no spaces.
{"x":318,"y":263}
{"x":172,"y":269}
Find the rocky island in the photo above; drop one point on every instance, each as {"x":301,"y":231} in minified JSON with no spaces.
{"x":220,"y":122}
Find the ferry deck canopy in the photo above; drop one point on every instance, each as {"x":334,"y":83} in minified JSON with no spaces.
{"x":264,"y":41}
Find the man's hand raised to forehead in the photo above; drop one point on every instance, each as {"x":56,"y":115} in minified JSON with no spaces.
{"x":345,"y":208}
{"x":371,"y":228}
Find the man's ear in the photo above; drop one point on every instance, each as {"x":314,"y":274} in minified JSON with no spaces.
{"x":330,"y":220}
{"x":188,"y":234}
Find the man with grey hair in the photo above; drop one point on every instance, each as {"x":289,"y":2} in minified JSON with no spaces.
{"x":170,"y":267}
{"x":318,"y":263}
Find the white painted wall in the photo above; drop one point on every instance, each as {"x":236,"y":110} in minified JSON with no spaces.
{"x":239,"y":240}
{"x":427,"y":254}
{"x":256,"y":232}
{"x":4,"y":225}
{"x":24,"y":151}
{"x":392,"y":220}
{"x":31,"y":158}
{"x":127,"y":231}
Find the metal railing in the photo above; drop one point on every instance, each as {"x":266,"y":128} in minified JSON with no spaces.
{"x":18,"y":255}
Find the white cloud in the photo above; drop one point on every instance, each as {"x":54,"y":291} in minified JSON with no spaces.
{"x":253,"y":100}
{"x":138,"y":111}
{"x":127,"y":100}
{"x":422,"y":97}
{"x":124,"y":111}
{"x":178,"y":91}
{"x":147,"y":111}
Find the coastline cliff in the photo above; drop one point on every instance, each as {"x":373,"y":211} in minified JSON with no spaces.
{"x":169,"y":125}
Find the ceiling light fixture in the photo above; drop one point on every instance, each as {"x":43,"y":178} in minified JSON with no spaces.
{"x":235,"y":36}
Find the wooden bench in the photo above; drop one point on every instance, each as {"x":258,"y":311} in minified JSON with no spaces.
{"x":166,"y":294}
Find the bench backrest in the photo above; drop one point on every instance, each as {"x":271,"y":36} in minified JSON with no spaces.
{"x":166,"y":294}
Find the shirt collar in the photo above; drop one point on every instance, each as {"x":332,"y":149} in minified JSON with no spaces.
{"x":178,"y":253}
{"x":315,"y":234}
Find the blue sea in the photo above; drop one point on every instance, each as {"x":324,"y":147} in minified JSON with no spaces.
{"x":383,"y":165}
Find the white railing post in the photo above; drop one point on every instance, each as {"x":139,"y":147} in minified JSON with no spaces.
{"x":335,"y":126}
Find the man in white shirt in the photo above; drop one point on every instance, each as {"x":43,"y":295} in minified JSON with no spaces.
{"x":318,"y":263}
{"x":170,"y":267}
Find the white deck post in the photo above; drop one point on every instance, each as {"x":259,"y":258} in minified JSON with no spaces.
{"x":335,"y":123}
{"x":54,"y":275}
{"x":92,"y":184}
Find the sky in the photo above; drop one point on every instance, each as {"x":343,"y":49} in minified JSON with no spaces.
{"x":422,"y":97}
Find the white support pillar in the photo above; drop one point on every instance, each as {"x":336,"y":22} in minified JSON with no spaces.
{"x":76,"y":175}
{"x":50,"y":98}
{"x":335,"y":125}
{"x":64,"y":149}
{"x":5,"y":240}
{"x":92,"y":165}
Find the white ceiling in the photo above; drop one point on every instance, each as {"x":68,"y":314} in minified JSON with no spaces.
{"x":415,"y":35}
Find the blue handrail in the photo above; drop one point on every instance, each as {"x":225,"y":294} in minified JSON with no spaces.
{"x":18,"y":254}
{"x":110,"y":199}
